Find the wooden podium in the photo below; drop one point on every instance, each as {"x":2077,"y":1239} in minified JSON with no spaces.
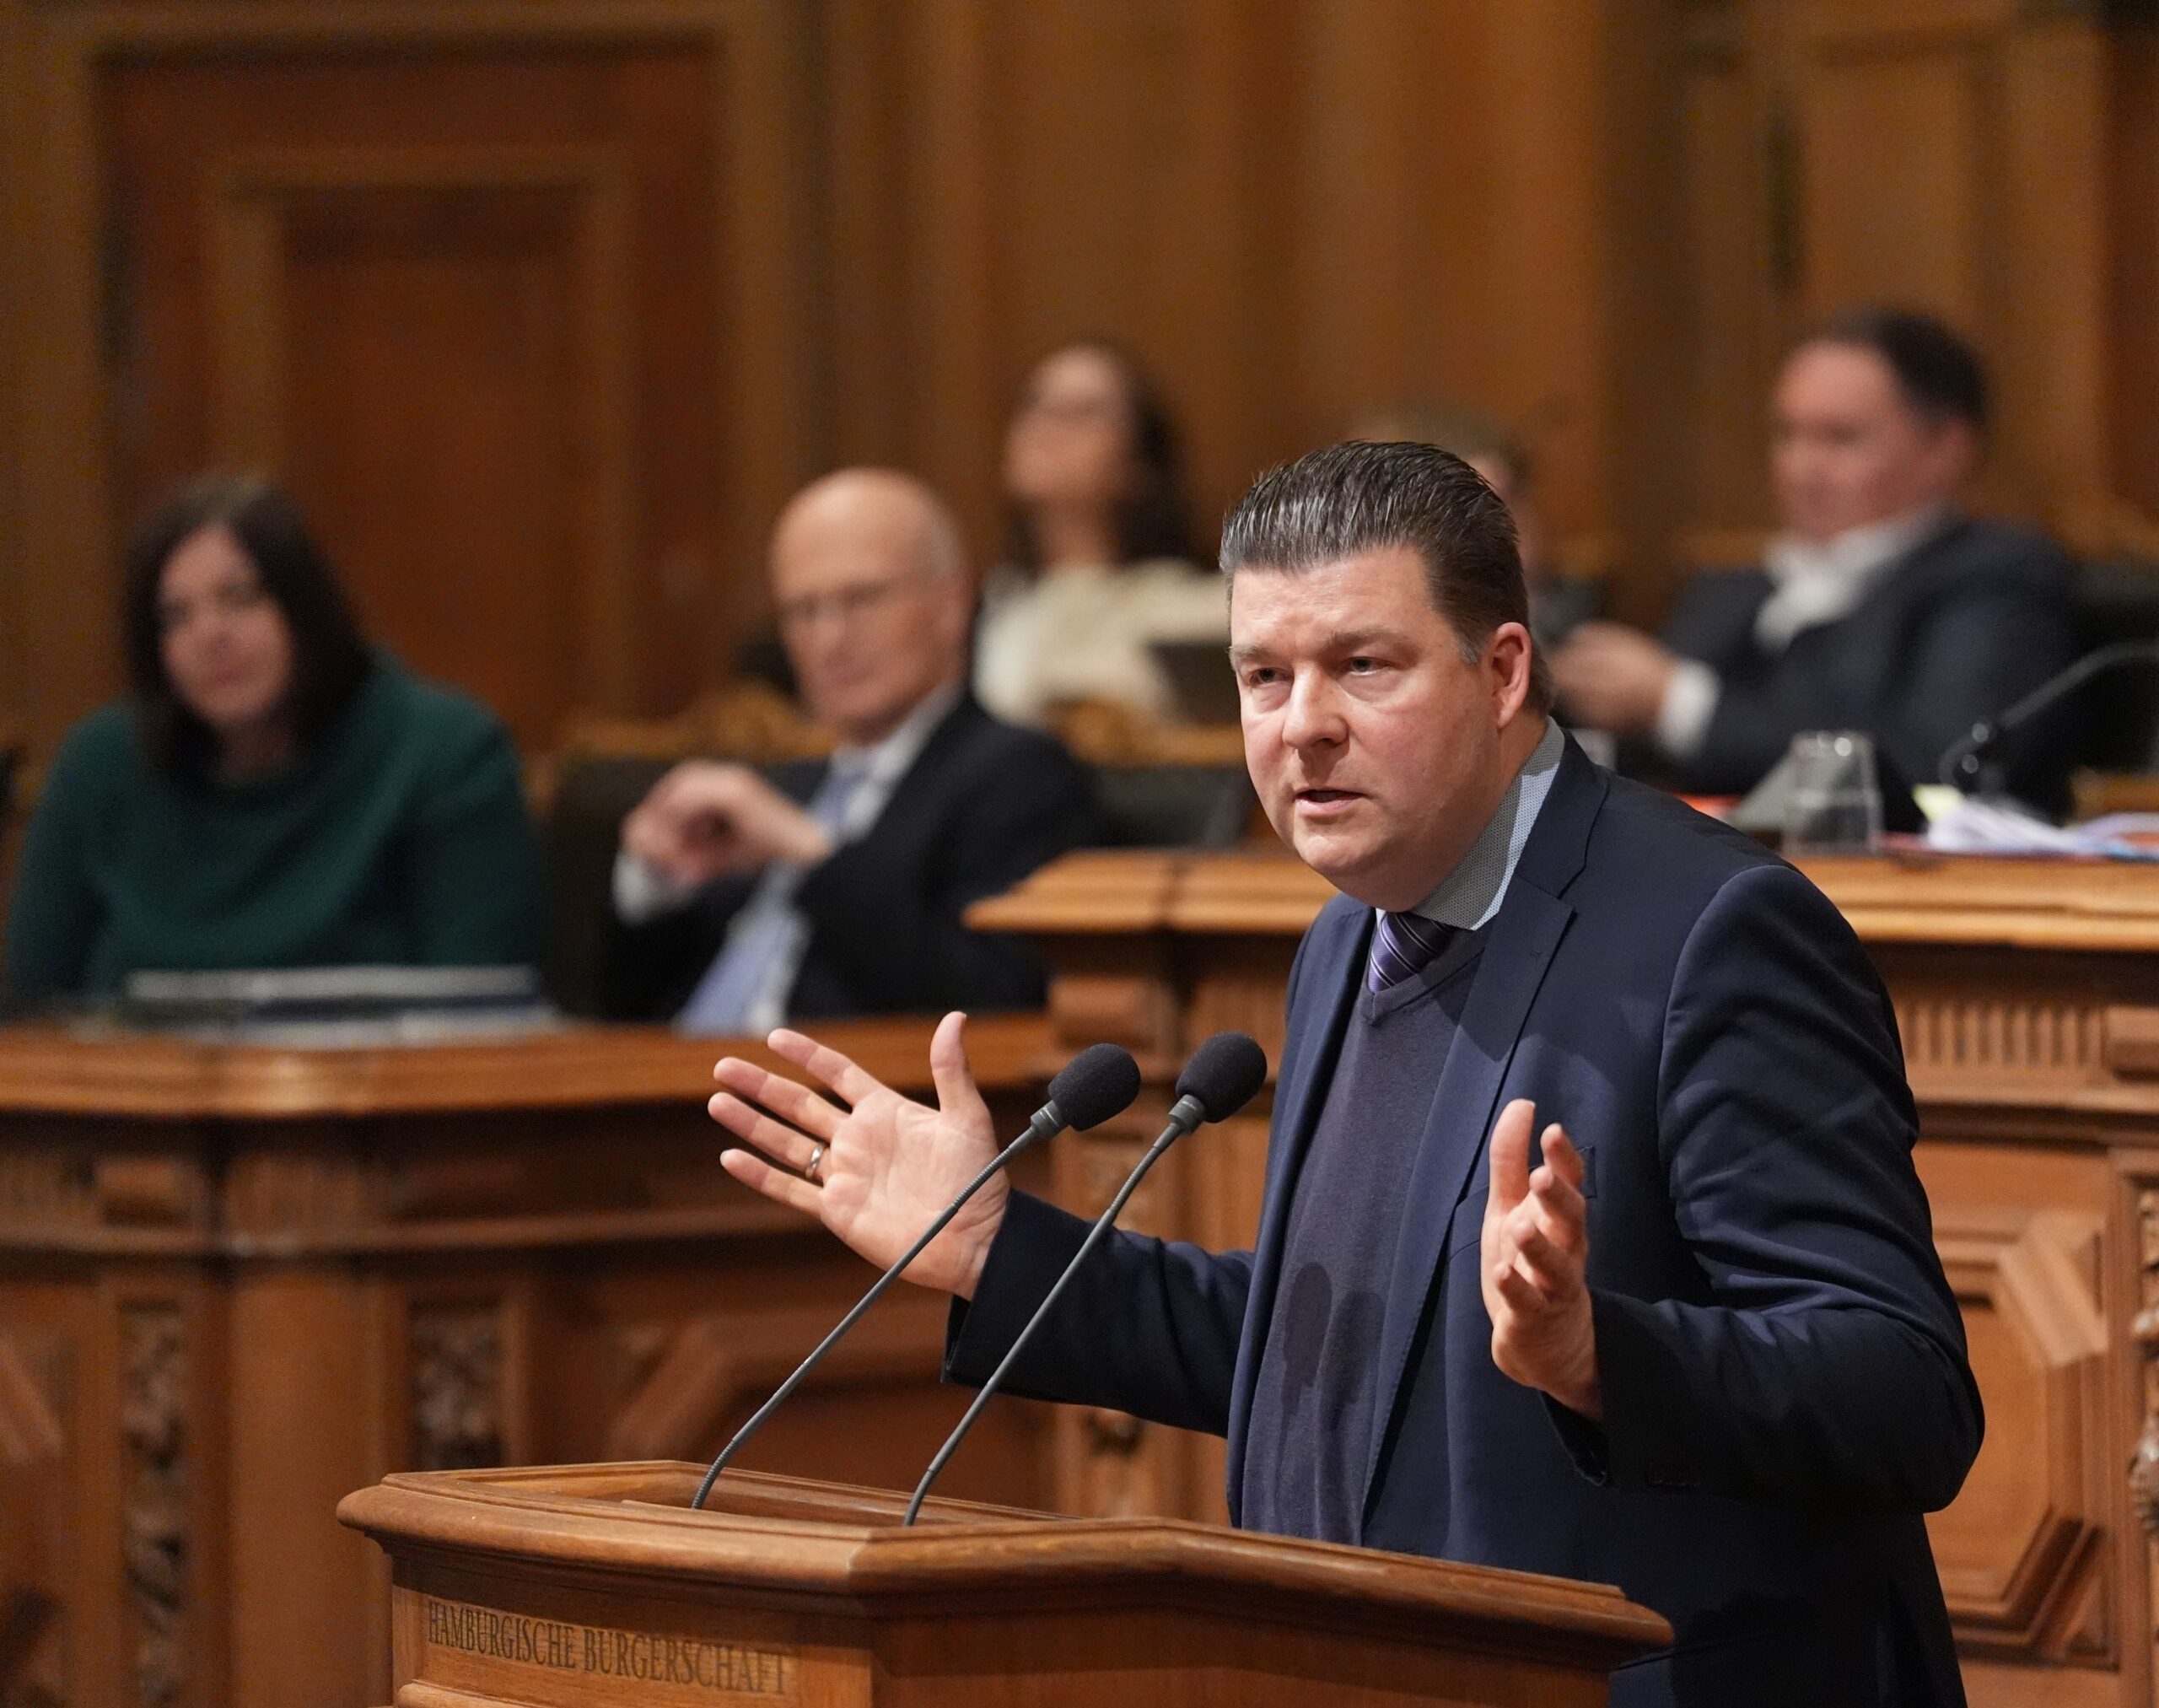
{"x":595,"y":1585}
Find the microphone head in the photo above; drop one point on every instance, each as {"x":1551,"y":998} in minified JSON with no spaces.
{"x":1099,"y":1082}
{"x":1223,"y":1075}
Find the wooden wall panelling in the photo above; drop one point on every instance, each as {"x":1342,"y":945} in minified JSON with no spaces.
{"x":18,"y":150}
{"x":1291,"y":211}
{"x":2055,"y":350}
{"x":714,"y":364}
{"x":2020,"y":1553}
{"x":1897,"y":125}
{"x":36,"y":1382}
{"x":950,"y":65}
{"x":1957,"y":159}
{"x":2139,"y":1401}
{"x":2132,"y":217}
{"x":1736,"y":245}
{"x":312,"y":258}
{"x":1221,"y":218}
{"x":1288,"y":207}
{"x":1969,"y":157}
{"x":56,"y":568}
{"x":408,"y":284}
{"x":1628,"y":172}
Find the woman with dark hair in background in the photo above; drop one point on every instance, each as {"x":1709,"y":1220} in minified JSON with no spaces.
{"x":274,"y":792}
{"x":1101,"y":553}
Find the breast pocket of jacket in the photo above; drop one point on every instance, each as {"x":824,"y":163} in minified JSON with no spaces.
{"x":1466,"y":1229}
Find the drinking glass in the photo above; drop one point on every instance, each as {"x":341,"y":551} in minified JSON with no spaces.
{"x":1832,"y":804}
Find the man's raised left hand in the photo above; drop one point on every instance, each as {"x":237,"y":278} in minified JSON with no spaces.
{"x":1534,"y":1264}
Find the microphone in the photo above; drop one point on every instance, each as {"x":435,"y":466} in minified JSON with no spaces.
{"x":1223,"y":1076}
{"x":1970,"y":764}
{"x":1099,"y":1082}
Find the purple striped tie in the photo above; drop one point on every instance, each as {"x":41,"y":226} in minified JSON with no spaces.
{"x":1403,"y":945}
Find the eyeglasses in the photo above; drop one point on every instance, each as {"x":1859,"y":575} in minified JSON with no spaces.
{"x":232,"y":597}
{"x":1074,"y":412}
{"x":844,"y":605}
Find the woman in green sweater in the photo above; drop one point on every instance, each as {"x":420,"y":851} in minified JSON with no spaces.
{"x":274,"y":793}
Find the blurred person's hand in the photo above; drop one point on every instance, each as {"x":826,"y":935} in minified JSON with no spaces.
{"x":703,"y":821}
{"x":1613,"y":677}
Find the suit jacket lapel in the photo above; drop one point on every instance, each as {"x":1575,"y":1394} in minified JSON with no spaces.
{"x":1328,"y":987}
{"x":1521,"y":942}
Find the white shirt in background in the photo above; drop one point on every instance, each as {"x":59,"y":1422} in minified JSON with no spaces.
{"x":1811,"y":582}
{"x":1084,"y":632}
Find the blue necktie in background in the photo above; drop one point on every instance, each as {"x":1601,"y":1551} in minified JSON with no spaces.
{"x":768,"y":935}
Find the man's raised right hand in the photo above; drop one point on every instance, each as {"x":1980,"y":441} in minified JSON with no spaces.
{"x":890,"y":1164}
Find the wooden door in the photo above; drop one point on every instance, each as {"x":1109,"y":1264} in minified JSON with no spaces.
{"x":1949,"y":155}
{"x":464,"y":306}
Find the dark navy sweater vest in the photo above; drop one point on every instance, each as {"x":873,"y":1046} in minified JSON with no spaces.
{"x":1313,"y":1433}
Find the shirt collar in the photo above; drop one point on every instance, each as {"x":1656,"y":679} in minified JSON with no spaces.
{"x":1854,"y":552}
{"x":1820,"y":581}
{"x":887,"y":762}
{"x":1470,"y":894}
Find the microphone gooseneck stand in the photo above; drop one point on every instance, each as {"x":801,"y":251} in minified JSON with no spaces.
{"x":1223,"y":1076}
{"x":1099,"y":1082}
{"x":1969,"y":764}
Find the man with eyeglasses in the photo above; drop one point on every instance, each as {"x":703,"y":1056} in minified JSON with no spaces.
{"x":837,"y":888}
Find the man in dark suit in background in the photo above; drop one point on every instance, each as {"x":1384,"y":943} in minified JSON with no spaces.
{"x":836,"y":888}
{"x":1879,"y":608}
{"x":1697,"y":1343}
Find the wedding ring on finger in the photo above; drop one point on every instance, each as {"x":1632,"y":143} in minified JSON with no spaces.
{"x":813,"y":1171}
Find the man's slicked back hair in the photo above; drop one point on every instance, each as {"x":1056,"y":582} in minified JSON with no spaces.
{"x":1358,"y":496}
{"x":1939,"y":374}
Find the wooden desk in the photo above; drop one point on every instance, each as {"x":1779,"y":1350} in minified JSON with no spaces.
{"x":2028,"y":996}
{"x":593,"y":1585}
{"x":237,"y":1284}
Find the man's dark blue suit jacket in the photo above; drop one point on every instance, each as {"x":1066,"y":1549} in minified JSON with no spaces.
{"x":1785,"y":1383}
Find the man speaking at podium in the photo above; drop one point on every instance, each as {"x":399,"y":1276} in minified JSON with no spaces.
{"x":1691,"y":1338}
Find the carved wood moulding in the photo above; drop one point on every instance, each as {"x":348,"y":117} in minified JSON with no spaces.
{"x":2029,"y":1580}
{"x":45,"y":1186}
{"x":2093,"y":906}
{"x":31,"y":1442}
{"x":30,"y":1429}
{"x":49,"y":1070}
{"x":2143,"y":1467}
{"x":2144,"y":1458}
{"x":688,"y":1385}
{"x":457,"y":1358}
{"x":2039,"y":1039}
{"x":1137,"y":1009}
{"x":287,"y":1192}
{"x":154,"y":1430}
